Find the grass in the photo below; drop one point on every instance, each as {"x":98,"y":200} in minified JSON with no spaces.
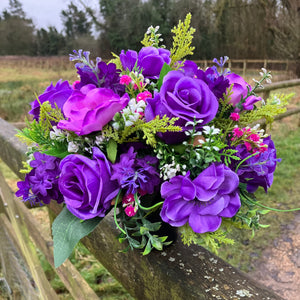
{"x":18,"y":88}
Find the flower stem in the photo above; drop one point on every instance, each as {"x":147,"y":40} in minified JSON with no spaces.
{"x":115,"y":214}
{"x":146,"y":208}
{"x":245,"y":160}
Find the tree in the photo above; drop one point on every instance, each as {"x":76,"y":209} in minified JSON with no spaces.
{"x":49,"y":42}
{"x":16,"y":31}
{"x":75,"y":22}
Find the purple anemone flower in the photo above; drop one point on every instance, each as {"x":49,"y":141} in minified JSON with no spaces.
{"x":201,"y":202}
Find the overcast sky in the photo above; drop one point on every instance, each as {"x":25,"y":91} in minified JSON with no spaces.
{"x":45,"y":13}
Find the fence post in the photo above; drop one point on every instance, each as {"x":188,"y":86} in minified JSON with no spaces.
{"x":244,"y":67}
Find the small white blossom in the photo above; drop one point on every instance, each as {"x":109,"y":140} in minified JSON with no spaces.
{"x":73,"y":147}
{"x":57,"y":134}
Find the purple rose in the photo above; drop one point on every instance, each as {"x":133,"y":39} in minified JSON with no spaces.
{"x":201,"y":202}
{"x":91,"y":108}
{"x":240,"y":91}
{"x":183,"y":97}
{"x":57,"y":94}
{"x":258,"y":170}
{"x":149,"y":60}
{"x":86,"y":184}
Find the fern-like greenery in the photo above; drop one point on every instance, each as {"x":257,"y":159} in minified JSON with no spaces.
{"x":211,"y":240}
{"x":148,"y":129}
{"x":116,"y":60}
{"x":183,"y":36}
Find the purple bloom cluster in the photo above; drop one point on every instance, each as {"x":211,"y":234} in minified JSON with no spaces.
{"x":201,"y":202}
{"x":135,"y":174}
{"x":42,"y":180}
{"x":149,"y":60}
{"x":57,"y":94}
{"x":108,"y":76}
{"x":216,"y":82}
{"x":258,"y":170}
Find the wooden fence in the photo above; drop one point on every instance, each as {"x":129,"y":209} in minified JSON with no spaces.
{"x":250,"y":64}
{"x":179,"y":272}
{"x":63,"y":63}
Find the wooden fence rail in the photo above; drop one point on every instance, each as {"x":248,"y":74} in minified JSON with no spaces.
{"x":179,"y":272}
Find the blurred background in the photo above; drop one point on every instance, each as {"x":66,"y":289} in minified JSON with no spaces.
{"x":260,"y":29}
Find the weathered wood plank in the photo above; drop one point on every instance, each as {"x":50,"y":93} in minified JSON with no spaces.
{"x":11,"y":150}
{"x":68,"y":274}
{"x":278,"y":85}
{"x":17,"y":282}
{"x":25,"y":244}
{"x":178,"y":273}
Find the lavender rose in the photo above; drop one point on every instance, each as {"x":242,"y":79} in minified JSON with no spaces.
{"x":90,"y":108}
{"x":57,"y":94}
{"x":149,"y":60}
{"x":240,"y":91}
{"x":86,"y":185}
{"x":183,"y":97}
{"x":201,"y":202}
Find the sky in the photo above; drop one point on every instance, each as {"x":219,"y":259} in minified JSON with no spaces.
{"x":45,"y":13}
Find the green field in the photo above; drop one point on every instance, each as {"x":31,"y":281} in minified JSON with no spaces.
{"x":18,"y":87}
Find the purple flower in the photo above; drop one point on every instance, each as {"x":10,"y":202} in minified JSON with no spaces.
{"x":149,"y":60}
{"x":86,"y":184}
{"x":257,"y":170}
{"x":201,"y":202}
{"x":91,"y":108}
{"x":128,"y":59}
{"x":239,"y":93}
{"x":41,"y":183}
{"x":136,"y":173}
{"x":215,"y":81}
{"x":183,"y":97}
{"x":57,"y":94}
{"x":108,"y":75}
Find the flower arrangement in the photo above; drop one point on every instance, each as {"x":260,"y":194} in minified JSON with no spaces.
{"x":154,"y":139}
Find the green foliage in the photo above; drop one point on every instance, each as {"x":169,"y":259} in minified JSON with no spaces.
{"x":116,"y":60}
{"x":210,"y":240}
{"x":148,"y":130}
{"x":67,"y":231}
{"x":268,"y":111}
{"x":139,"y":232}
{"x":37,"y":133}
{"x":183,"y":36}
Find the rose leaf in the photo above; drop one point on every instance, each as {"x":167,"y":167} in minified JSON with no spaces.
{"x":67,"y":231}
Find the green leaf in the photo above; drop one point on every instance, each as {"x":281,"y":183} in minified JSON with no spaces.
{"x":148,"y":248}
{"x":67,"y":231}
{"x":156,"y":243}
{"x":111,"y":150}
{"x":164,"y":71}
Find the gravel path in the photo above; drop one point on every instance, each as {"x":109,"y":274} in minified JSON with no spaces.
{"x":279,"y":266}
